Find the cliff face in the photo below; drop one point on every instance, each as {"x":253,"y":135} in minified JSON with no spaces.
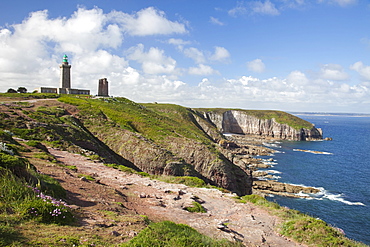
{"x":239,"y":122}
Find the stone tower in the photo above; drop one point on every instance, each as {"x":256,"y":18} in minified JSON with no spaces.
{"x":103,"y":87}
{"x":65,"y":73}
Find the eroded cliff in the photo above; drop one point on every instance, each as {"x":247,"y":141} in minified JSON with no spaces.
{"x":243,"y":122}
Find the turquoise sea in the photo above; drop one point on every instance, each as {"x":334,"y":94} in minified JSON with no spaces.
{"x":341,"y":172}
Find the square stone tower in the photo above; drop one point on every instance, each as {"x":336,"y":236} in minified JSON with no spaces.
{"x":65,"y":73}
{"x":103,"y":87}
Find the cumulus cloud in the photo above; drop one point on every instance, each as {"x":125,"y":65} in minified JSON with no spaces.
{"x":362,"y":69}
{"x":149,"y":21}
{"x":154,"y":61}
{"x":256,"y":66}
{"x":296,"y":92}
{"x":195,"y":54}
{"x":32,"y":50}
{"x":333,"y":72}
{"x":221,"y":54}
{"x":202,"y":70}
{"x":216,"y":21}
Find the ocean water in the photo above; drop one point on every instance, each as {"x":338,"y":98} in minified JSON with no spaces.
{"x":341,"y":171}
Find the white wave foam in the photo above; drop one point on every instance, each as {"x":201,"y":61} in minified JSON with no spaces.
{"x":269,"y":163}
{"x":273,"y":171}
{"x":324,"y":194}
{"x":311,"y":151}
{"x":272,"y":145}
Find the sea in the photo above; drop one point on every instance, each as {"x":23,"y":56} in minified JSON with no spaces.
{"x":339,"y":168}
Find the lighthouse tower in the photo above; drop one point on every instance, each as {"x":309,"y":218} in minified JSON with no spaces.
{"x":65,"y":73}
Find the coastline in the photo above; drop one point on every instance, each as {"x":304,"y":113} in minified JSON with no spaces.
{"x":245,"y":150}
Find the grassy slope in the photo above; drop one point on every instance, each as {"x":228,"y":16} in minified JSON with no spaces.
{"x":155,"y":122}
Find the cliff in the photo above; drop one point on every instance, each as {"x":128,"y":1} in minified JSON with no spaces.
{"x":244,"y":122}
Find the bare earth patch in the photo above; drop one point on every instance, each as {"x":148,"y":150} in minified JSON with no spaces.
{"x":126,"y":194}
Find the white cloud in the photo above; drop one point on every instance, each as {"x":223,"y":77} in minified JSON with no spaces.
{"x":333,"y":72}
{"x":179,"y":43}
{"x":32,"y":50}
{"x":149,"y":21}
{"x":154,"y":61}
{"x":195,"y":54}
{"x":362,"y":69}
{"x":254,"y":7}
{"x":216,"y":21}
{"x":221,"y":54}
{"x":256,"y":66}
{"x":202,"y":70}
{"x":342,"y":3}
{"x":239,"y":9}
{"x":173,"y":41}
{"x":267,"y":8}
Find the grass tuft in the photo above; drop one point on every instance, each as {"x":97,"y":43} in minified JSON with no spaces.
{"x":169,"y":234}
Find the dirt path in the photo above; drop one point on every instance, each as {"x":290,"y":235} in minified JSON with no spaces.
{"x":161,"y":201}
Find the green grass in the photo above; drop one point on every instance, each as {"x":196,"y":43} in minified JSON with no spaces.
{"x":196,"y":208}
{"x":169,"y":234}
{"x":154,"y":121}
{"x":189,"y":181}
{"x":88,"y":177}
{"x":29,"y":95}
{"x":301,"y":227}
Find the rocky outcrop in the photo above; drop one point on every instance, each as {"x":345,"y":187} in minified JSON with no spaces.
{"x":283,"y":189}
{"x":239,"y":122}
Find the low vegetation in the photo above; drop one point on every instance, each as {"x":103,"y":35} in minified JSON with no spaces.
{"x":169,"y":234}
{"x":26,"y":195}
{"x":196,"y":208}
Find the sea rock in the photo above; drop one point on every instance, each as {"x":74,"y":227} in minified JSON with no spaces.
{"x":274,"y":186}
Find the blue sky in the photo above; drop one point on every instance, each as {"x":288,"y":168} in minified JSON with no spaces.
{"x":290,"y":55}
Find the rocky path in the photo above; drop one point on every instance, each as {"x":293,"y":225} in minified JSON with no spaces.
{"x":162,"y":201}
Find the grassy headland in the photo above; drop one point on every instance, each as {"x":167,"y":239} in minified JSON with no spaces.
{"x":30,"y":200}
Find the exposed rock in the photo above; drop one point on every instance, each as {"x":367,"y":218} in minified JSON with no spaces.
{"x":274,"y":187}
{"x":239,"y":122}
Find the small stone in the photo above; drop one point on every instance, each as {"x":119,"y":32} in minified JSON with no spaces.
{"x":263,"y":239}
{"x":142,"y":195}
{"x":132,"y":234}
{"x":84,"y":179}
{"x":177,"y":198}
{"x":114,"y":233}
{"x":221,"y":226}
{"x":181,"y":192}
